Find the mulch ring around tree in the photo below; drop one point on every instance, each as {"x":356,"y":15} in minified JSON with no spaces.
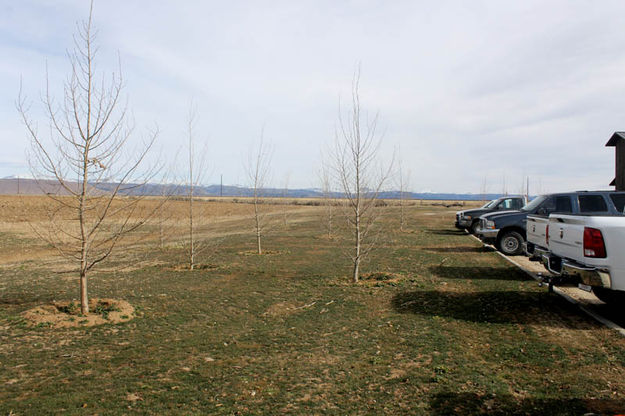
{"x":66,"y":314}
{"x":381,"y":279}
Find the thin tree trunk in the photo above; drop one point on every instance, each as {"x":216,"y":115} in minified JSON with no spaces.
{"x":84,"y":299}
{"x":161,"y":232}
{"x":357,"y":253}
{"x":191,"y":248}
{"x":257,"y":220}
{"x":357,"y":241}
{"x":285,"y":206}
{"x":358,"y":206}
{"x":329,"y":221}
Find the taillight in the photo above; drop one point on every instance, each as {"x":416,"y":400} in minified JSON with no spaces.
{"x":547,"y":235}
{"x":593,"y":243}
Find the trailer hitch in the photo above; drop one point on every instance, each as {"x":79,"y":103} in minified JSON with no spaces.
{"x":545,"y":280}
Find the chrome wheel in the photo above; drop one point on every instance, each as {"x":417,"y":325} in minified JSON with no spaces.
{"x":510,"y":243}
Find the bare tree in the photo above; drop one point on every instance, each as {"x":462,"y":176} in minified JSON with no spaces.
{"x":524,"y":188}
{"x":359,"y":174}
{"x":484,"y":189}
{"x":190,"y":125}
{"x":257,"y":170}
{"x":164,"y":216}
{"x":327,"y":189}
{"x":403,"y":182}
{"x":87,"y":154}
{"x":197,"y":170}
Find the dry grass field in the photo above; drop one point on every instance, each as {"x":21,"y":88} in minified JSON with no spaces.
{"x":438,"y":325}
{"x":23,"y":216}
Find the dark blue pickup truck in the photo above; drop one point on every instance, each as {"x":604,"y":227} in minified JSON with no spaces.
{"x":470,"y":218}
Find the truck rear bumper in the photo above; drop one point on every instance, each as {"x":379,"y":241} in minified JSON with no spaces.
{"x":590,"y":276}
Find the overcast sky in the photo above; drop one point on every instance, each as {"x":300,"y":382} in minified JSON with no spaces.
{"x":471,"y":92}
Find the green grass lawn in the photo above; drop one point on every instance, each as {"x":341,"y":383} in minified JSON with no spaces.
{"x":442,"y":327}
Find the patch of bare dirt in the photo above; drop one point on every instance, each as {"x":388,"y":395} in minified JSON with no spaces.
{"x":133,"y":397}
{"x":67,"y":314}
{"x":395,"y":373}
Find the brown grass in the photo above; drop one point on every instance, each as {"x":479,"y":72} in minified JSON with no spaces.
{"x":25,"y":215}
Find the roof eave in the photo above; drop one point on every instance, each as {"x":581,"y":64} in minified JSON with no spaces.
{"x":618,"y":135}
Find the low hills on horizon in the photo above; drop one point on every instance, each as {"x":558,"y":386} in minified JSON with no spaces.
{"x":29,"y":186}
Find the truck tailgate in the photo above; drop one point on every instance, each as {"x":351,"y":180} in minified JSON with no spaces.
{"x":566,"y":236}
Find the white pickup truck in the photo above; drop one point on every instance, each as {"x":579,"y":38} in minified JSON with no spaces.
{"x":587,"y":246}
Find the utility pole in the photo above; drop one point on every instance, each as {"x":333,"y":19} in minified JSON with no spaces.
{"x":221,"y":185}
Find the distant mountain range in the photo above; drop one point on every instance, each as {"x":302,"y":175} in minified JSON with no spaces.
{"x":28,"y":186}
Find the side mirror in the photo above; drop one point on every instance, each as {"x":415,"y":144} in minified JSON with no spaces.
{"x":542,"y":211}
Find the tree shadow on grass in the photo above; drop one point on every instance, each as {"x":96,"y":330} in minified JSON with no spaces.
{"x":478,"y":273}
{"x":458,"y":249}
{"x":488,"y":404}
{"x":613,"y":312}
{"x":446,"y":231}
{"x":496,"y":307}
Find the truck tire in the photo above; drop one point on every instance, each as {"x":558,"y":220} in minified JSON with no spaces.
{"x":474,"y":226}
{"x":510,"y":243}
{"x":609,"y":296}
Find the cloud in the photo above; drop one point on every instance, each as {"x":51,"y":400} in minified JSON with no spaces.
{"x":467,"y":89}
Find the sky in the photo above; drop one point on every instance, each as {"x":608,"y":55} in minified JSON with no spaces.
{"x":471,"y":96}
